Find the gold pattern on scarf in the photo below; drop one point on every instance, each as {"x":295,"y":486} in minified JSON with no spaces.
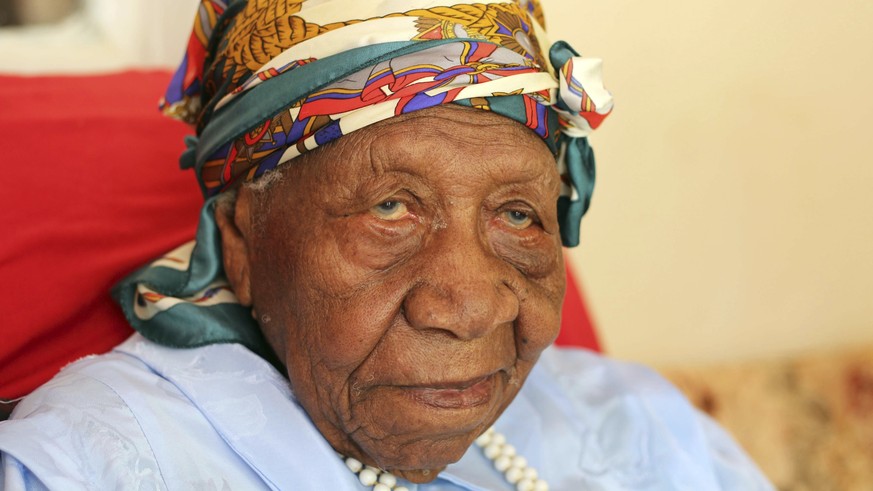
{"x":264,"y":29}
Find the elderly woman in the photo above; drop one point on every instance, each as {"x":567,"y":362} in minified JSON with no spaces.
{"x":376,"y":274}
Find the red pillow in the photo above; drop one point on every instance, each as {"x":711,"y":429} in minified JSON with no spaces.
{"x":93,"y":191}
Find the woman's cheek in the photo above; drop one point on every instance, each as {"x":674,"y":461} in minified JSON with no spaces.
{"x":536,"y":255}
{"x":373,"y":245}
{"x":537,"y":325}
{"x":533,"y":252}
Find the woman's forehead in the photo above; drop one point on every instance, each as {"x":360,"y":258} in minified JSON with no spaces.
{"x":443,"y":134}
{"x":441,"y":156}
{"x":450,"y":143}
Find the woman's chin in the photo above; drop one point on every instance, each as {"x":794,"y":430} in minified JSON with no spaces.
{"x":418,"y":476}
{"x":421,"y":458}
{"x":416,"y":431}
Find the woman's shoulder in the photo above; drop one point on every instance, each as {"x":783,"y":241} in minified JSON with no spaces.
{"x":113,"y":421}
{"x":588,"y":375}
{"x":76,"y":429}
{"x":634,"y":426}
{"x":109,"y":385}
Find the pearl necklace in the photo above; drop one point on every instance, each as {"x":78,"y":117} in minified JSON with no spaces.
{"x":493,"y":444}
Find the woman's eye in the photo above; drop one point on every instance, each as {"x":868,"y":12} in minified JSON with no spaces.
{"x":389,"y":210}
{"x":518,"y":219}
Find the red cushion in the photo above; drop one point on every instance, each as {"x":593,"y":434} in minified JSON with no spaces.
{"x":576,"y":326}
{"x":93,"y":191}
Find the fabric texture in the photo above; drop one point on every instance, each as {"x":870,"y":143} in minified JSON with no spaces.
{"x":266,"y":81}
{"x":220,"y":417}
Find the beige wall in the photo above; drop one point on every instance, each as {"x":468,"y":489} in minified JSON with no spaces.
{"x":733,"y":216}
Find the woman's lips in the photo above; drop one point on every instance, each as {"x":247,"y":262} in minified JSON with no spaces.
{"x":460,"y":395}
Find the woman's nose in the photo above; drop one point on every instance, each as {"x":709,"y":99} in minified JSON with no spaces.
{"x":462,"y":289}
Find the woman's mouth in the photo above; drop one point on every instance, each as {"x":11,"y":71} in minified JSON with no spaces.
{"x":455,"y":395}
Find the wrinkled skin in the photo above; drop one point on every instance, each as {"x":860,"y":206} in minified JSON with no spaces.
{"x":409,"y":275}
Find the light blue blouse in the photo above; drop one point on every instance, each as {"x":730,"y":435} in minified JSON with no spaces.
{"x":219,"y":417}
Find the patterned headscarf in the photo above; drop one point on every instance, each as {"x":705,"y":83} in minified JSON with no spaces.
{"x":265,"y":81}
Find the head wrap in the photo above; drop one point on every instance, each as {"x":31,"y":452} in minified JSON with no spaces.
{"x":265,"y":81}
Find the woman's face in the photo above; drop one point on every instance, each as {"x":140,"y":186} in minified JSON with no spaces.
{"x":409,"y":276}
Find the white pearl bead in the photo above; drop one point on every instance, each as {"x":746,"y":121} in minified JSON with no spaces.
{"x":483,"y":440}
{"x":525,"y":485}
{"x":502,"y":463}
{"x":388,"y":479}
{"x":367,"y":477}
{"x":530,"y":473}
{"x":508,"y":450}
{"x":374,"y":469}
{"x":354,"y":465}
{"x":382,"y":487}
{"x":541,"y":485}
{"x":498,"y":438}
{"x":492,"y":450}
{"x":513,"y":475}
{"x":519,"y":461}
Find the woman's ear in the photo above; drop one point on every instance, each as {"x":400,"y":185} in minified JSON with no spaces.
{"x":234,"y":224}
